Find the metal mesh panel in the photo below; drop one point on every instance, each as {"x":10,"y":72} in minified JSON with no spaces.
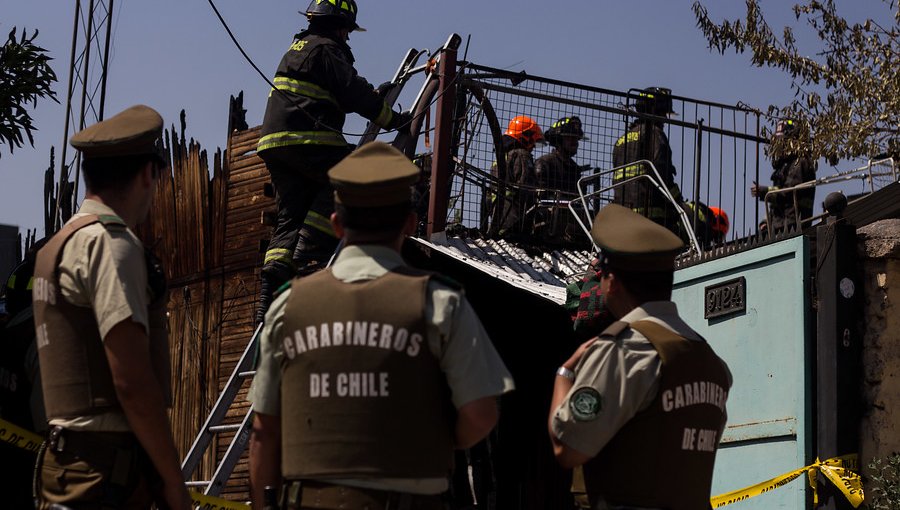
{"x":882,"y":173}
{"x":715,"y":147}
{"x":874,"y":175}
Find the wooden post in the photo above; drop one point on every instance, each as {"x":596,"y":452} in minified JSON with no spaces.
{"x":440,"y":161}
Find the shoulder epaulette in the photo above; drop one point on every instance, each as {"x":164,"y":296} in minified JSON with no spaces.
{"x":614,"y":330}
{"x":111,"y":219}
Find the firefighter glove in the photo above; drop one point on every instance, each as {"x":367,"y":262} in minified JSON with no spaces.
{"x":383,"y":89}
{"x":759,"y":191}
{"x":400,"y":121}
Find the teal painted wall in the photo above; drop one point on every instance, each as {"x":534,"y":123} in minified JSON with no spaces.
{"x":768,"y":349}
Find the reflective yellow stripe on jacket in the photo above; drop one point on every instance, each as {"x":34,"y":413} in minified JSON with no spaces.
{"x":628,"y":172}
{"x":631,"y":136}
{"x":701,"y":216}
{"x":304,"y":88}
{"x":285,"y":138}
{"x":651,"y":212}
{"x":11,"y":283}
{"x":282,"y":255}
{"x":384,"y":117}
{"x":319,"y":222}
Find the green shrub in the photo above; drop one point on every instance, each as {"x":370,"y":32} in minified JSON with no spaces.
{"x":883,"y":487}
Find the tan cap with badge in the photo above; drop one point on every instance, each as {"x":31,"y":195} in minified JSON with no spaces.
{"x":132,"y":132}
{"x":631,"y":242}
{"x":375,"y":175}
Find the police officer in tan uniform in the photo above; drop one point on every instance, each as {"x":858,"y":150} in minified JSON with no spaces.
{"x":371,"y":372}
{"x":99,"y":305}
{"x":641,"y":408}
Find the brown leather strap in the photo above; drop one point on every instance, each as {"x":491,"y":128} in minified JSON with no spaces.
{"x":58,"y":241}
{"x":658,"y":335}
{"x":656,"y":331}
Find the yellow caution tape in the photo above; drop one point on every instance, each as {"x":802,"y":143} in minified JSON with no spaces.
{"x":204,"y":502}
{"x":17,"y":436}
{"x":838,"y":470}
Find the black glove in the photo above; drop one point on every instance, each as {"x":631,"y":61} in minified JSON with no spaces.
{"x":400,"y":121}
{"x":383,"y":89}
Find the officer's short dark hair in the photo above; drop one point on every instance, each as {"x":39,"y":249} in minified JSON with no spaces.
{"x":387,"y":219}
{"x":646,"y":285}
{"x":114,"y":174}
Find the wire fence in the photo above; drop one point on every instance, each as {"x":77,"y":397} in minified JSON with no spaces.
{"x":716,"y":151}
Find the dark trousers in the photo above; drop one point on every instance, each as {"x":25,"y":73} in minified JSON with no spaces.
{"x":304,"y":200}
{"x":16,"y":473}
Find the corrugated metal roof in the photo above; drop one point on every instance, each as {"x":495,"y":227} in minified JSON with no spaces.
{"x":544,"y":274}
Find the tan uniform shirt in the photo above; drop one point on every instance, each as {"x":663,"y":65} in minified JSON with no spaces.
{"x":103,"y":268}
{"x":625,"y":372}
{"x":456,"y":338}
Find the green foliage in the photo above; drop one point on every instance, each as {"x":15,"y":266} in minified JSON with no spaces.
{"x":847,"y":94}
{"x":883,"y":488}
{"x":25,"y":76}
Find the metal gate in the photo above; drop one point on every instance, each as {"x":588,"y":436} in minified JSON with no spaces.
{"x":753,"y":308}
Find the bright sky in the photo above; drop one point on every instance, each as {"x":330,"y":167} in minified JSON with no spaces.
{"x":174,"y":55}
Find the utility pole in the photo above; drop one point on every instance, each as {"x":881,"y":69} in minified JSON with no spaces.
{"x":85,"y":93}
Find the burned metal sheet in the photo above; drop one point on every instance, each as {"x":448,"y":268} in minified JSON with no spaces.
{"x":544,"y":274}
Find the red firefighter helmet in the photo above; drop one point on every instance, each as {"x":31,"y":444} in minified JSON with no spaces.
{"x":525,"y":130}
{"x":720,"y":223}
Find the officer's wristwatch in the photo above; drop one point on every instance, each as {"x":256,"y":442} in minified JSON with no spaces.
{"x":565,"y":372}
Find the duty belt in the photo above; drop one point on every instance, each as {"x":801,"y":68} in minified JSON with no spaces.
{"x":102,"y":447}
{"x":316,"y":494}
{"x":118,"y":451}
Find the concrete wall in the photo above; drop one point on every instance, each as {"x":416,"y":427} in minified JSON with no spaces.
{"x":879,"y":250}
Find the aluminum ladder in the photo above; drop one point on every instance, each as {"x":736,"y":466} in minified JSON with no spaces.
{"x":213,"y":426}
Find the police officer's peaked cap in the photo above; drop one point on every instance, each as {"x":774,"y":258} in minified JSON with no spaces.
{"x":631,"y":242}
{"x":133,"y":132}
{"x":375,"y":175}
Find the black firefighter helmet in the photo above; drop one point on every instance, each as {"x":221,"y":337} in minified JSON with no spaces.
{"x":787,"y":128}
{"x":339,"y":12}
{"x":654,"y":101}
{"x":566,"y":126}
{"x":18,"y":287}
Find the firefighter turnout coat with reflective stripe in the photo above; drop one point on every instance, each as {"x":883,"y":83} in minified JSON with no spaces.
{"x":788,"y":172}
{"x":362,"y":395}
{"x":648,"y":141}
{"x":664,"y":456}
{"x":316,"y":86}
{"x":74,"y":369}
{"x":645,"y":141}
